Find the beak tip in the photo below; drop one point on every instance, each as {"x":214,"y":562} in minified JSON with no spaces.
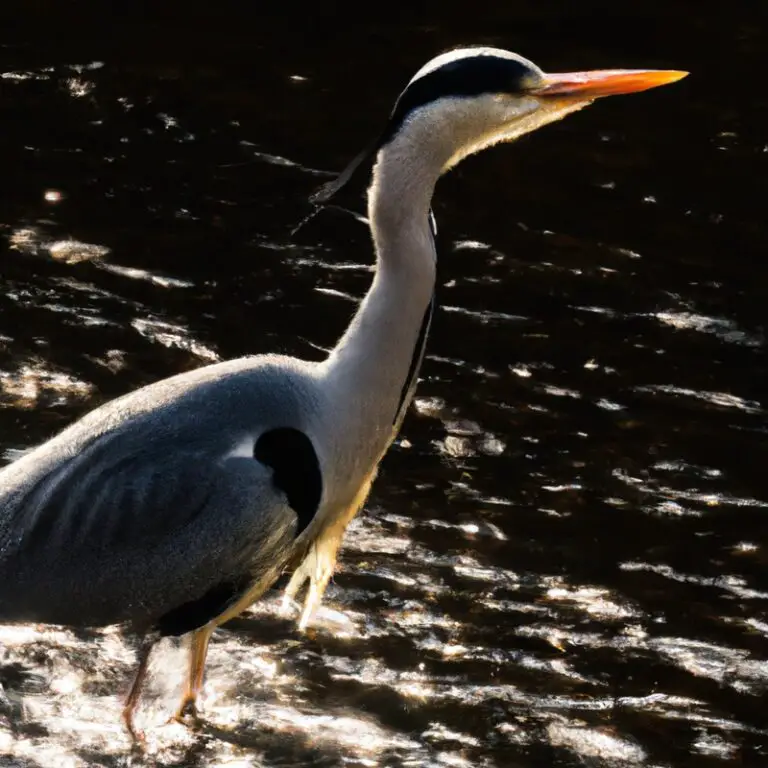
{"x":677,"y":74}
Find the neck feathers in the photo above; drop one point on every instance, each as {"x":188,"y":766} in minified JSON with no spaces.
{"x":371,"y":373}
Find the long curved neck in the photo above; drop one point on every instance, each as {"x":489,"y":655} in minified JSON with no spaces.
{"x":373,"y":368}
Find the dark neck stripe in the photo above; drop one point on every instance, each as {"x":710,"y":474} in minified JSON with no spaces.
{"x":415,"y":364}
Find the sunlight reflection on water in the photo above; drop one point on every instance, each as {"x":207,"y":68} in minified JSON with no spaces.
{"x":561,"y":561}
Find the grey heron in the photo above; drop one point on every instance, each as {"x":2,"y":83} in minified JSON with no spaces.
{"x":173,"y":508}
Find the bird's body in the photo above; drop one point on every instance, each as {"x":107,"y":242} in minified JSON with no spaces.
{"x":171,"y":509}
{"x":98,"y":496}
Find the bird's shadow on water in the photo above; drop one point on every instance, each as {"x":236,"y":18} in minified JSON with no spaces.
{"x":275,"y":747}
{"x":278,"y":749}
{"x":193,"y":755}
{"x":293,"y":746}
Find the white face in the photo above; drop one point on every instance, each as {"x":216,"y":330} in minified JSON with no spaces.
{"x":494,"y":119}
{"x":451,"y":129}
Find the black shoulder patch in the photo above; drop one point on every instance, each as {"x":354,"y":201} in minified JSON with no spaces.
{"x":197,"y":613}
{"x":469,"y":76}
{"x":292,"y":457}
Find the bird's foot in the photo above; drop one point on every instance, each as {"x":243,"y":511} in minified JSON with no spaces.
{"x":307,"y":617}
{"x":187,"y":714}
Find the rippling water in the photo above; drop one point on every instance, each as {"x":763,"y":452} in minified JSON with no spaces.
{"x":563,"y":561}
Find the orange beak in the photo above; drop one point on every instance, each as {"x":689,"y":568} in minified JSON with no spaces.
{"x":604,"y":82}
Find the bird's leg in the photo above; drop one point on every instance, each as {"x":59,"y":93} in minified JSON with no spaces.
{"x":198,"y":651}
{"x":132,"y":700}
{"x":300,"y":575}
{"x":324,"y":562}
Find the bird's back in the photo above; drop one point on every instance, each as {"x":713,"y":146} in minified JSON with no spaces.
{"x":152,"y":501}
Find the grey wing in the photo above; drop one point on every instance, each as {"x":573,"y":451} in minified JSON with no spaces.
{"x":109,"y":538}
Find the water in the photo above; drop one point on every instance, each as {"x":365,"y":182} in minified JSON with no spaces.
{"x":563,"y":560}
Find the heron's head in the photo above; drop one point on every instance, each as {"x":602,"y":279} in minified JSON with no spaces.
{"x":471,"y":98}
{"x":468,"y":99}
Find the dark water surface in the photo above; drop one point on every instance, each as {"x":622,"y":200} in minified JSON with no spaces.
{"x":563,"y":562}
